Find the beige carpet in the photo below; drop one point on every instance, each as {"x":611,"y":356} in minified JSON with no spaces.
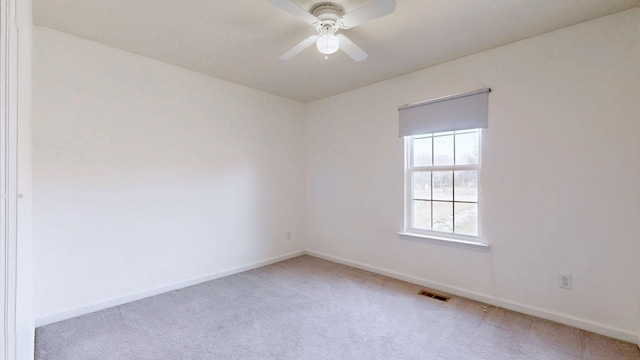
{"x":306,"y":308}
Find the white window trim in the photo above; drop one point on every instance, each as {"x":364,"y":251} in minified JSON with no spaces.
{"x":451,"y":241}
{"x":458,"y":240}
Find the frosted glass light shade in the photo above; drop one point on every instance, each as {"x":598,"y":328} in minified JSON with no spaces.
{"x":327,"y":42}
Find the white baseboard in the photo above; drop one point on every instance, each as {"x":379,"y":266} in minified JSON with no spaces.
{"x":49,"y":319}
{"x":576,"y":322}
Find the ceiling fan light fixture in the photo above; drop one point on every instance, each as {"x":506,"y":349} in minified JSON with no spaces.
{"x":328,"y":43}
{"x":327,"y":18}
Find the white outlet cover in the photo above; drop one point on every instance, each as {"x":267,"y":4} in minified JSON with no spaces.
{"x":565,"y":281}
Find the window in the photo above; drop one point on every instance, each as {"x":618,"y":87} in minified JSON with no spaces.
{"x":442,"y":184}
{"x":443,"y":157}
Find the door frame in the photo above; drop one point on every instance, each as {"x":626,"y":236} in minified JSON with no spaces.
{"x":8,"y":176}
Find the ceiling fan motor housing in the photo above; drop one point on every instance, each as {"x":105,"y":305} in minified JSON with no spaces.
{"x":328,"y":13}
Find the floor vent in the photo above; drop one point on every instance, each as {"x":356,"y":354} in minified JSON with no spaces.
{"x":433,"y":295}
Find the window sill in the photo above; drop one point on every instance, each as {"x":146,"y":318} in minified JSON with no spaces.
{"x":474,"y":245}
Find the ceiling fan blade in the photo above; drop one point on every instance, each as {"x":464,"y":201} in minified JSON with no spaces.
{"x":376,"y":9}
{"x":299,"y":47}
{"x":295,"y":10}
{"x":351,"y":49}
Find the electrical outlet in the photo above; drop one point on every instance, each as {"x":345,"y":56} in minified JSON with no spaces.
{"x":288,"y":235}
{"x":564,"y":281}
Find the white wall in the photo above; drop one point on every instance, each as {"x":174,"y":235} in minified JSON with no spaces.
{"x":559,"y":179}
{"x":148,"y":176}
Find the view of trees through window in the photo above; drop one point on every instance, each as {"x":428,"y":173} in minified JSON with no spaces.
{"x":444,"y":169}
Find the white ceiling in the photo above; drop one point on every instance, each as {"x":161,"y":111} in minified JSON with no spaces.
{"x":240,"y":40}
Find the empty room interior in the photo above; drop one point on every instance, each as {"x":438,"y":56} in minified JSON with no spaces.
{"x":254,"y":172}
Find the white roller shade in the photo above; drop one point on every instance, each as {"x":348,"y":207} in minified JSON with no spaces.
{"x":456,"y":112}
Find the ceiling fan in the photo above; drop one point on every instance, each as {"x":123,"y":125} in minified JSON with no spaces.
{"x":327,"y":18}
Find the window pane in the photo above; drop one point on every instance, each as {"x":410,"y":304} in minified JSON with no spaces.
{"x":422,"y":185}
{"x":422,"y":155}
{"x":421,"y":214}
{"x":467,"y":148}
{"x":466,"y":185}
{"x":443,"y":185}
{"x":447,"y":200}
{"x":443,"y":150}
{"x":466,"y":218}
{"x":443,"y":216}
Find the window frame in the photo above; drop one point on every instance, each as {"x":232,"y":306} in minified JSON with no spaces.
{"x":473,"y":241}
